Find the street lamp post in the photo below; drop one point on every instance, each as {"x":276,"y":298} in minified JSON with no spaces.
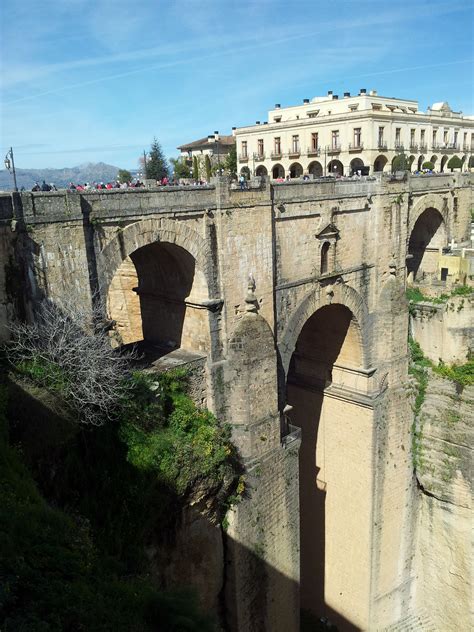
{"x":10,"y":165}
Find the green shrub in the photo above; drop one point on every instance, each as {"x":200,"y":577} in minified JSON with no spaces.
{"x":428,"y":165}
{"x":186,"y":444}
{"x":461,"y":373}
{"x":454,"y":163}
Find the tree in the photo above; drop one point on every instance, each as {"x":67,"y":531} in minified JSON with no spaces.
{"x":454,"y":163}
{"x":124,"y":176}
{"x":208,"y":167}
{"x":400,"y":163}
{"x":231,"y":162}
{"x":180,"y":168}
{"x":428,"y":165}
{"x":156,"y":165}
{"x":195,"y":168}
{"x":67,"y":350}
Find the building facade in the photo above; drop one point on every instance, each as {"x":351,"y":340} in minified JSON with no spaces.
{"x":216,"y":146}
{"x":361,"y":133}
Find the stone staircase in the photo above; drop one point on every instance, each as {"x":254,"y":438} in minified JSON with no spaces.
{"x":414,"y":621}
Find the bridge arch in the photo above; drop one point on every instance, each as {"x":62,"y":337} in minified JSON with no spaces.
{"x":327,"y":390}
{"x":156,"y":277}
{"x":342,"y":294}
{"x":426,"y":238}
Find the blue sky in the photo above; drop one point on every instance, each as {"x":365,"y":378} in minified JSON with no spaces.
{"x":96,"y":80}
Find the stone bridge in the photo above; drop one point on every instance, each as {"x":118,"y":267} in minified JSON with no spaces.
{"x":293,"y":295}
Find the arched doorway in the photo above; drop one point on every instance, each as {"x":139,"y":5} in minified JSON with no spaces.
{"x":315,"y":168}
{"x":278,"y":172}
{"x":325,"y":374}
{"x":411,"y":160}
{"x":380,"y":162}
{"x":433,"y":160}
{"x":261,"y":171}
{"x":156,"y":296}
{"x":426,"y":239}
{"x":335,"y":167}
{"x":356,"y":165}
{"x":444,"y":160}
{"x":245,"y":171}
{"x":296,"y":170}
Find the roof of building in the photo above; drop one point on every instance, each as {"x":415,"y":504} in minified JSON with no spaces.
{"x":441,"y":105}
{"x":204,"y":142}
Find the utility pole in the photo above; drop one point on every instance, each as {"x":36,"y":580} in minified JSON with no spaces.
{"x":10,"y":166}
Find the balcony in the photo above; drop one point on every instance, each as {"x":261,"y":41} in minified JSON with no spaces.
{"x":466,"y":147}
{"x":294,"y":153}
{"x":423,"y":147}
{"x":382,"y":146}
{"x":399,"y":146}
{"x":334,"y":149}
{"x":259,"y":157}
{"x":313,"y":151}
{"x":276,"y":155}
{"x":356,"y":146}
{"x":413,"y":147}
{"x":445,"y":147}
{"x":243,"y":158}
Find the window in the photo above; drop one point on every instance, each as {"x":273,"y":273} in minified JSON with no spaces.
{"x":398,"y":133}
{"x":244,"y":149}
{"x":456,"y":134}
{"x":465,"y":140}
{"x":260,"y":146}
{"x":435,"y":133}
{"x":335,"y":138}
{"x":412,"y":137}
{"x":422,"y":136}
{"x":445,"y":137}
{"x":295,"y":144}
{"x":277,"y":142}
{"x":357,"y":136}
{"x":314,"y":141}
{"x":381,"y":136}
{"x":324,"y":257}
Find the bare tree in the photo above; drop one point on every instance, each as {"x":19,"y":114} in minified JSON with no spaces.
{"x":68,"y":350}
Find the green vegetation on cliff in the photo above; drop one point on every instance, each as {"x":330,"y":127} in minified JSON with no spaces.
{"x":78,"y":511}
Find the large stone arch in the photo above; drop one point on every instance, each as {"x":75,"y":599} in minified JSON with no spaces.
{"x":149,"y":231}
{"x":330,"y":294}
{"x":421,"y":205}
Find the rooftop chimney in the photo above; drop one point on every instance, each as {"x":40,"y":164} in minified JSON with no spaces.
{"x":234,"y":128}
{"x":335,"y":97}
{"x":347,"y":94}
{"x":305,"y":100}
{"x":277,"y":106}
{"x":257,"y":122}
{"x":329,"y":93}
{"x":362,"y":91}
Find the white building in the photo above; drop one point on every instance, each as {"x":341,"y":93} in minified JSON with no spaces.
{"x":332,"y":135}
{"x":216,"y":146}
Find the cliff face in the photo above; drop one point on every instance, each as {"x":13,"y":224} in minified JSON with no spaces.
{"x":443,"y":456}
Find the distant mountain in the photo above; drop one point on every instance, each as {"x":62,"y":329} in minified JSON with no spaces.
{"x":90,"y":172}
